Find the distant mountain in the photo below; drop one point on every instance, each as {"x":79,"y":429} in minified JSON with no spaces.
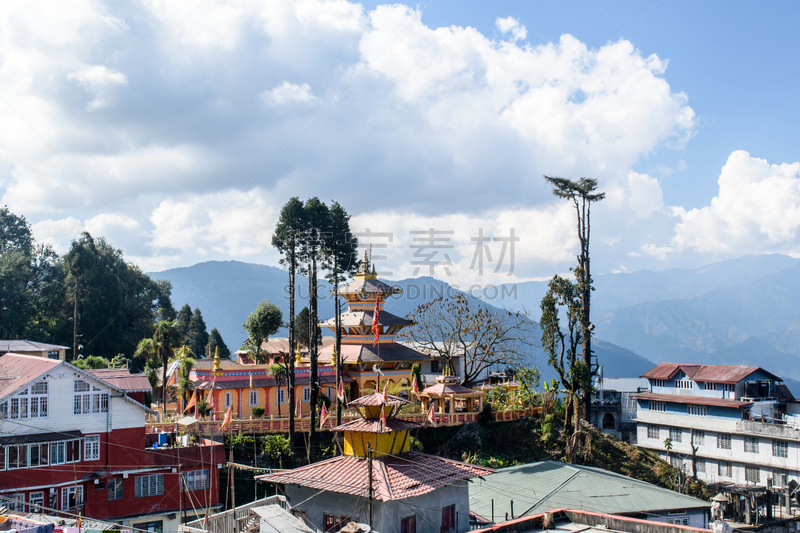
{"x":227,"y":291}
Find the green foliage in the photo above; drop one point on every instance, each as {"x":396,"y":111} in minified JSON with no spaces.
{"x":215,"y":341}
{"x":498,"y":398}
{"x":416,"y":445}
{"x":91,"y":362}
{"x":197,"y":336}
{"x":323,"y":398}
{"x":260,"y":324}
{"x":302,"y":331}
{"x":416,"y":373}
{"x":276,"y":447}
{"x":182,"y":321}
{"x":239,"y":440}
{"x":258,"y":411}
{"x":202,"y":407}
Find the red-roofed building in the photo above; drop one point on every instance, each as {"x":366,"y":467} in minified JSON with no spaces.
{"x":379,"y":481}
{"x":730,"y":424}
{"x":75,"y":441}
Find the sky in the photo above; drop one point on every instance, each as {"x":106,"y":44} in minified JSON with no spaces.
{"x":178,"y":129}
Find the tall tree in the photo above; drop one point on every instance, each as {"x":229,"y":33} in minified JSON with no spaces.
{"x":582,"y":193}
{"x":183,"y":319}
{"x":197,"y":336}
{"x":165,"y":339}
{"x":455,"y":327}
{"x":215,"y":341}
{"x":561,"y":346}
{"x":291,"y":225}
{"x":302,"y":331}
{"x":15,"y":232}
{"x":260,"y":324}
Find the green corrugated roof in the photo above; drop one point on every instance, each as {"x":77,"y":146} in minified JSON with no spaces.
{"x":538,"y":487}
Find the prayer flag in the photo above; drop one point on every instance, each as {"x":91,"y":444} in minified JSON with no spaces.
{"x":386,"y":391}
{"x":415,"y":386}
{"x":192,"y":402}
{"x":432,"y":414}
{"x":340,"y":390}
{"x":383,"y":417}
{"x":228,"y":418}
{"x":375,"y":326}
{"x":323,"y":416}
{"x":298,"y":408}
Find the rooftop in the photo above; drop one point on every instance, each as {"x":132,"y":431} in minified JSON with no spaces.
{"x":548,"y":485}
{"x":394,"y":477}
{"x":123,"y":379}
{"x":575,"y":521}
{"x":29,"y":346}
{"x":691,"y":399}
{"x":17,"y":370}
{"x":709,"y":373}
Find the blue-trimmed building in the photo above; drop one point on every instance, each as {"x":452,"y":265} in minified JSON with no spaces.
{"x":733,"y":424}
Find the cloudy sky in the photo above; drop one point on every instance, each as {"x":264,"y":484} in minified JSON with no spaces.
{"x":177,"y":129}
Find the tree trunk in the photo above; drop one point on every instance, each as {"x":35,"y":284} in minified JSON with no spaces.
{"x":586,"y":295}
{"x":290,"y":360}
{"x":313,"y":354}
{"x":338,"y":344}
{"x":164,"y":363}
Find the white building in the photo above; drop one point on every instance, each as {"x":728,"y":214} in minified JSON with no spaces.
{"x":736,"y":419}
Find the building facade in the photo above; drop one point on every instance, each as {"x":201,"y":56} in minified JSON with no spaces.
{"x":72,"y":442}
{"x":727,"y":423}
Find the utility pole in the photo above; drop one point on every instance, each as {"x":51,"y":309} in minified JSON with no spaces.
{"x":292,"y":340}
{"x":369,"y":469}
{"x":75,"y":323}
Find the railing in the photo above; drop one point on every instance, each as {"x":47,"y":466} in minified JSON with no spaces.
{"x":281,"y":425}
{"x":226,"y":521}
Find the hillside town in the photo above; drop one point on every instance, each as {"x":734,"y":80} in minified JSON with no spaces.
{"x":352,"y":266}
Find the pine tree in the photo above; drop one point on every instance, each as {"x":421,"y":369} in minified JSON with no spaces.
{"x":215,"y":341}
{"x":183,"y":320}
{"x":197,"y":337}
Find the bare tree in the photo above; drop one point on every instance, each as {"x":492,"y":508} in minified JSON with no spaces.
{"x":582,"y":193}
{"x":452,"y":327}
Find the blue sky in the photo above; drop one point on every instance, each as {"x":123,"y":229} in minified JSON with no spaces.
{"x":177,"y":130}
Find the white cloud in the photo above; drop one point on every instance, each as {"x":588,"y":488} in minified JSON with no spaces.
{"x":513,"y":26}
{"x":97,"y":79}
{"x":757,"y":210}
{"x":288,"y":93}
{"x":645,"y":194}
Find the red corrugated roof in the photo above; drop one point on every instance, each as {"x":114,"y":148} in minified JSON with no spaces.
{"x":372,"y":425}
{"x":17,"y":370}
{"x":686,"y":398}
{"x":123,"y":379}
{"x":393,"y":477}
{"x":709,"y":373}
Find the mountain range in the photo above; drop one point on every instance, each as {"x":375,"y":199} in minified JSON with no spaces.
{"x":739,"y":311}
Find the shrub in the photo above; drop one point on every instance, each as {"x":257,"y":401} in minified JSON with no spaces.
{"x":258,"y":412}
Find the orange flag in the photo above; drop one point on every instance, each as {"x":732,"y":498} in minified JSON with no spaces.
{"x":386,"y":391}
{"x":415,"y":386}
{"x":375,"y":325}
{"x":383,"y":417}
{"x":192,"y":402}
{"x":340,"y":391}
{"x":228,"y":418}
{"x":323,"y":416}
{"x":432,"y":414}
{"x":298,"y":408}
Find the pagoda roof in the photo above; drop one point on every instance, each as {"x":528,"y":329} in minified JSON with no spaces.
{"x":366,"y":353}
{"x":447,"y":389}
{"x":394,"y":477}
{"x":364,"y":318}
{"x":368,"y":285}
{"x":375,"y":399}
{"x":373,"y":425}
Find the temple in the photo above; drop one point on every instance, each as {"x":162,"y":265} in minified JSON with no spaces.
{"x":362,"y":361}
{"x":378,"y":480}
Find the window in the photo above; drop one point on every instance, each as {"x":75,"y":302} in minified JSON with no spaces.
{"x":752,"y":474}
{"x":699,"y":438}
{"x":115,"y":489}
{"x":88,"y":399}
{"x":71,"y":497}
{"x":3,"y":410}
{"x":724,"y":469}
{"x":329,"y":392}
{"x":253,"y":398}
{"x":154,"y":527}
{"x":697,"y":410}
{"x":16,"y":502}
{"x":779,"y":479}
{"x":675,"y":434}
{"x":408,"y":524}
{"x":780,"y":449}
{"x":652,"y":432}
{"x":676,"y":462}
{"x":152,"y":485}
{"x":729,"y":387}
{"x":37,"y":501}
{"x":38,"y":400}
{"x":91,"y":448}
{"x":195,"y":480}
{"x":280,"y":397}
{"x":659,"y":383}
{"x":228,"y":399}
{"x":709,"y":386}
{"x":449,"y":518}
{"x":306,"y":394}
{"x":333,"y":522}
{"x":683,"y":384}
{"x":700,"y":464}
{"x":724,"y":441}
{"x":678,"y":521}
{"x":751,"y":444}
{"x":435,"y":367}
{"x":2,"y":457}
{"x":658,"y":406}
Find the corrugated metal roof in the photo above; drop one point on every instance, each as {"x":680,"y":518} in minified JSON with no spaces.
{"x":17,"y":370}
{"x":364,"y":318}
{"x":688,"y":398}
{"x":29,"y":346}
{"x":372,"y":425}
{"x":369,"y":287}
{"x":276,"y":518}
{"x":123,"y":379}
{"x":393,"y":477}
{"x":549,"y":485}
{"x":366,"y":353}
{"x":709,"y":373}
{"x":376,"y":398}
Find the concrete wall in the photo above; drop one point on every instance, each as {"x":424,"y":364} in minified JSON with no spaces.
{"x":386,"y":515}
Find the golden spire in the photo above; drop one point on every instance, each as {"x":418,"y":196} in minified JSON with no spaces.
{"x":333,"y":356}
{"x":216,"y":359}
{"x":298,"y":360}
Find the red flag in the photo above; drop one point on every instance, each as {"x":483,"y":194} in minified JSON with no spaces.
{"x":340,"y":390}
{"x":375,"y":327}
{"x":386,"y":392}
{"x":228,"y":418}
{"x":432,"y":414}
{"x":192,"y":402}
{"x":383,"y":417}
{"x":323,"y":416}
{"x":415,"y":386}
